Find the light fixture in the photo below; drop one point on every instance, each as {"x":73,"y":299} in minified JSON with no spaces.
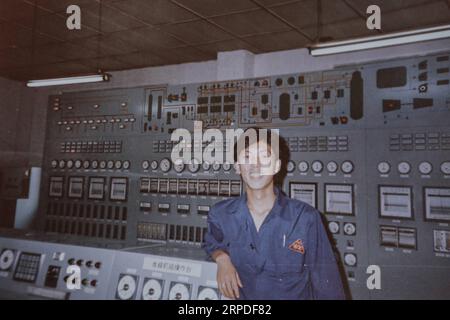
{"x":392,"y":39}
{"x":70,"y":80}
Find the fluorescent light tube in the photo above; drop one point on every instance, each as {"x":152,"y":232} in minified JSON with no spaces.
{"x":393,"y":39}
{"x":70,"y":80}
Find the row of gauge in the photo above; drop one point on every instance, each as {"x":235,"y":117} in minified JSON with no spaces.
{"x":91,"y":164}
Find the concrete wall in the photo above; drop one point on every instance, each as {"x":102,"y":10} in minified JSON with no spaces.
{"x":23,"y":110}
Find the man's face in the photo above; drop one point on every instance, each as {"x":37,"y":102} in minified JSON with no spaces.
{"x":257,"y":165}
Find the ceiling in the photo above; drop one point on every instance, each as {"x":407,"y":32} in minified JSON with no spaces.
{"x":35,"y":43}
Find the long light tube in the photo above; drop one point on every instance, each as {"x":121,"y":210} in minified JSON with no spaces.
{"x":393,"y":39}
{"x":69,"y":80}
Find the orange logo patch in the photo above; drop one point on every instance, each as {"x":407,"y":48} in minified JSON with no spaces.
{"x":297,"y":246}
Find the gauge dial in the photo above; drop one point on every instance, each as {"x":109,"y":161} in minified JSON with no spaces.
{"x":206,"y":165}
{"x":126,"y":287}
{"x":102,"y":164}
{"x":178,"y":166}
{"x":384,"y":167}
{"x":290,"y":166}
{"x":226,"y":166}
{"x":333,"y":226}
{"x":194,"y":166}
{"x":332,"y":167}
{"x":349,"y":229}
{"x":118,"y":164}
{"x":445,"y":167}
{"x":145,"y":164}
{"x":216,"y":166}
{"x":404,"y":167}
{"x":317,"y":166}
{"x":154,"y":165}
{"x":208,"y":294}
{"x":152,"y":290}
{"x":86,"y":164}
{"x":110,"y":164}
{"x":78,"y":164}
{"x":70,"y":164}
{"x":179,"y":291}
{"x":350,"y":259}
{"x":61,"y":164}
{"x":425,"y":167}
{"x":94,"y":164}
{"x":126,"y":164}
{"x":165,"y":165}
{"x":303,"y":166}
{"x":6,"y":259}
{"x":54,"y":163}
{"x":347,"y":167}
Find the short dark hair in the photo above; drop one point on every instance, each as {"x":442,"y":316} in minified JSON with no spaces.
{"x":270,"y":134}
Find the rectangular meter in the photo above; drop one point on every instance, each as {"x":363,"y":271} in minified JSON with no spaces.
{"x":339,"y":199}
{"x":395,"y":202}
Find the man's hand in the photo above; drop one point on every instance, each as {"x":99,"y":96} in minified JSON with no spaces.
{"x":227,"y":276}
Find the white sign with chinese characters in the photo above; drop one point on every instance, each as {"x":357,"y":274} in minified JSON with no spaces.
{"x":173,"y":266}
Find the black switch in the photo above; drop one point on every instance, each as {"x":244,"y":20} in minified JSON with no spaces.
{"x":326,"y":94}
{"x":314,"y":95}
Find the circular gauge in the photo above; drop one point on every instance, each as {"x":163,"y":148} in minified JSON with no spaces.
{"x":78,"y":164}
{"x":350,"y":259}
{"x":179,"y":291}
{"x":126,"y":287}
{"x":333,"y":226}
{"x":86,"y":164}
{"x":110,"y":164}
{"x":194,"y":166}
{"x":332,"y":167}
{"x":165,"y":165}
{"x":445,"y":167}
{"x":290,"y":166}
{"x":126,"y":164}
{"x":152,"y":290}
{"x":102,"y":164}
{"x":384,"y":167}
{"x":70,"y":164}
{"x":61,"y":164}
{"x":216,"y":166}
{"x":404,"y":167}
{"x":349,"y":229}
{"x":154,"y":165}
{"x":317,"y":166}
{"x":347,"y":167}
{"x":94,"y":164}
{"x":6,"y":259}
{"x":54,"y":163}
{"x":145,"y":164}
{"x":118,"y":164}
{"x":303,"y":166}
{"x":208,"y":294}
{"x":206,"y":165}
{"x":226,"y":166}
{"x":178,"y":166}
{"x":425,"y":167}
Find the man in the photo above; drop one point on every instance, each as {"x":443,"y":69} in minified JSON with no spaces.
{"x":266,"y":245}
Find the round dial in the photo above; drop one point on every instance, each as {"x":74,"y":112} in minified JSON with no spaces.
{"x":126,"y":164}
{"x":208,"y":294}
{"x":145,"y":164}
{"x":445,"y":167}
{"x":152,"y":290}
{"x":61,"y":164}
{"x":425,"y":167}
{"x":154,"y":165}
{"x":303,"y":166}
{"x":350,"y":259}
{"x":179,"y":291}
{"x":347,"y":167}
{"x":226,"y":166}
{"x":384,"y":167}
{"x":206,"y":165}
{"x":54,"y":163}
{"x":86,"y":164}
{"x":332,"y":166}
{"x":349,"y":228}
{"x":70,"y":164}
{"x":118,"y":164}
{"x":178,"y":166}
{"x":6,"y":259}
{"x":194,"y":166}
{"x":78,"y":164}
{"x":102,"y":164}
{"x":94,"y":164}
{"x":110,"y":164}
{"x":165,"y":165}
{"x":404,"y":167}
{"x":290,"y":166}
{"x":126,"y":287}
{"x":333,"y":226}
{"x":317,"y":166}
{"x":216,"y":166}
